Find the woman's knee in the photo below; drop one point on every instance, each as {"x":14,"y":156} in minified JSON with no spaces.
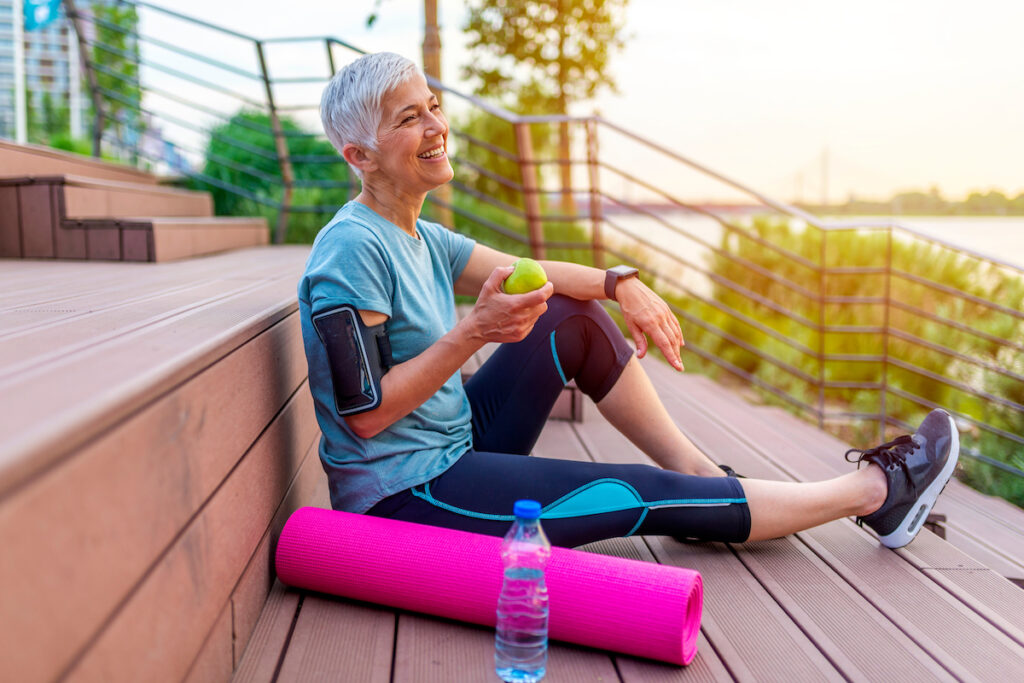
{"x":562,"y":307}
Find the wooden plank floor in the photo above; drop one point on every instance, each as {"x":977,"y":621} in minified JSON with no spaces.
{"x":828,"y":604}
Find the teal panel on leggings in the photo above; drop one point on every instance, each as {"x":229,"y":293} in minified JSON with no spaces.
{"x":603,"y":495}
{"x":597,"y":497}
{"x":558,"y":364}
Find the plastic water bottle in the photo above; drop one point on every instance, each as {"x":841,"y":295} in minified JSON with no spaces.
{"x":521,"y":640}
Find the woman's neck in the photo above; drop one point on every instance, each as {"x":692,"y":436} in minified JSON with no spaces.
{"x":402,"y":209}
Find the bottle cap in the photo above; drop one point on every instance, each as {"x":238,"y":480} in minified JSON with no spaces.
{"x":527,"y":509}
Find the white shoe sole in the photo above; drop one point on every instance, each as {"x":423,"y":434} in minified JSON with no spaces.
{"x":917,"y":516}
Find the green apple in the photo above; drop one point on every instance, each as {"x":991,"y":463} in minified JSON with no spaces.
{"x":527,"y":276}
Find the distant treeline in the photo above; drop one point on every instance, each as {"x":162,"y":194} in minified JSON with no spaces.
{"x":931,"y":203}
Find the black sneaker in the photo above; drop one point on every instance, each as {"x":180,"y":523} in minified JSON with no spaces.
{"x":917,"y":468}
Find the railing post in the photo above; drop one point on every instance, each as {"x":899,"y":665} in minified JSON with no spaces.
{"x":330,"y":58}
{"x":531,"y":191}
{"x":432,"y":67}
{"x":822,"y":284}
{"x":333,"y":69}
{"x":884,"y":420}
{"x":281,"y":146}
{"x":90,"y":76}
{"x":596,"y":212}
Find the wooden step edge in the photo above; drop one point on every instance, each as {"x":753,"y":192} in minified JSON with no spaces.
{"x":193,"y":222}
{"x":77,"y":180}
{"x":165,"y":222}
{"x":28,"y":454}
{"x":49,"y":155}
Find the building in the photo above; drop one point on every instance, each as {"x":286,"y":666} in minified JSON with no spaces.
{"x":49,"y":61}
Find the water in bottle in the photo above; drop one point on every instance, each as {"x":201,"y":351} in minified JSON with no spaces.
{"x":521,"y":641}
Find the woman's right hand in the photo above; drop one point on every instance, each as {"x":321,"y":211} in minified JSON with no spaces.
{"x":501,"y":317}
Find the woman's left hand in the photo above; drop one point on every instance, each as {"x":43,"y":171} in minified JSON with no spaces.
{"x":646,"y":313}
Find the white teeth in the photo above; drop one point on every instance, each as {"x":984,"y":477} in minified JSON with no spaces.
{"x":433,"y":154}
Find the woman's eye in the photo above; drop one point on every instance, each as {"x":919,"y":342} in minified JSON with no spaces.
{"x":407,"y":119}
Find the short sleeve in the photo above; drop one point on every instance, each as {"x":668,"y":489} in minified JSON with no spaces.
{"x":350,"y":265}
{"x":456,"y":246}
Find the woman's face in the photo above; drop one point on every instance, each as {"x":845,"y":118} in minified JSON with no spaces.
{"x":412,"y":141}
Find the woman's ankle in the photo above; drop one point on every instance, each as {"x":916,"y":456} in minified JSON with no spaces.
{"x":876,"y":489}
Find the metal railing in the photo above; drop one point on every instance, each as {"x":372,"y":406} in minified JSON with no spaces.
{"x":861,"y":327}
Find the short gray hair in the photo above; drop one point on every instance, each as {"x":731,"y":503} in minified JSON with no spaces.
{"x":350,"y":108}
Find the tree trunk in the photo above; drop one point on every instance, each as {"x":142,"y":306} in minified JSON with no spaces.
{"x":564,"y":142}
{"x":432,"y":67}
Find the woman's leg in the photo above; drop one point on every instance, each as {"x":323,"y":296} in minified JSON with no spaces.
{"x":634,"y":408}
{"x":581,"y":501}
{"x":780,"y":508}
{"x":512,"y":394}
{"x":585,"y":501}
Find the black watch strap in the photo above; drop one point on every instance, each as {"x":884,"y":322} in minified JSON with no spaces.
{"x":612,"y":277}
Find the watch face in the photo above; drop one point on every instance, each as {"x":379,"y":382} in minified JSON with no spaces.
{"x":623,"y":271}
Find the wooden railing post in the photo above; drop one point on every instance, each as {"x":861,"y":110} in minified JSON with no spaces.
{"x":432,"y":67}
{"x":822,"y":294}
{"x":884,"y":408}
{"x":531,"y":190}
{"x":281,"y":147}
{"x":596,"y":212}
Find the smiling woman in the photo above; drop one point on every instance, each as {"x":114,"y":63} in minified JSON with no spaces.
{"x":411,"y":155}
{"x":403,"y":438}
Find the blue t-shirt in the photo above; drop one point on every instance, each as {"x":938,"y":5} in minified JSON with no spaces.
{"x":359,"y":258}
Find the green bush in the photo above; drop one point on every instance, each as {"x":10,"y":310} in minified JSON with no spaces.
{"x":948,"y":335}
{"x":244,"y":176}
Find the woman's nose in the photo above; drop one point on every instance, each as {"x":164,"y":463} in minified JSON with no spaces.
{"x":437,"y":124}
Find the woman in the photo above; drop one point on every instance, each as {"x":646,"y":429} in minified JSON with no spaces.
{"x":407,"y":440}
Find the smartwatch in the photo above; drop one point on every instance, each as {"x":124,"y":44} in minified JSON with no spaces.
{"x":614,"y":275}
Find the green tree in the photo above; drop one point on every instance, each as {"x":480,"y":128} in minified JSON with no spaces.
{"x":992,"y":202}
{"x":244,"y":177}
{"x":1017,"y":205}
{"x":115,"y":56}
{"x":541,"y":56}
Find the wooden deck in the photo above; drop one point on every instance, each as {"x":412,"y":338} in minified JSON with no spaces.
{"x":157,"y":431}
{"x":827,"y":604}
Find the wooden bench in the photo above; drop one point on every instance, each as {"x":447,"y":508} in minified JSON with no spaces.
{"x":156,"y":432}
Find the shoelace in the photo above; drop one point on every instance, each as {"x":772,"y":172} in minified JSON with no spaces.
{"x":887,"y":455}
{"x":891,"y":453}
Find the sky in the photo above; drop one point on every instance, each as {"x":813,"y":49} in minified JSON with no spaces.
{"x":798,"y":99}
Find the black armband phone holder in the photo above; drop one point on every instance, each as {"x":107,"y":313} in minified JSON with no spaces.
{"x":358,"y":355}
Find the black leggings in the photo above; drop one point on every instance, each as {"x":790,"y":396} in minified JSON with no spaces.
{"x":511,"y":397}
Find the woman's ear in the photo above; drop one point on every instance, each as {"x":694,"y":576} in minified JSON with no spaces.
{"x":357,"y":157}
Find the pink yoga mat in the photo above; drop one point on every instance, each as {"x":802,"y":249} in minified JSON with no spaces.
{"x":637,"y":608}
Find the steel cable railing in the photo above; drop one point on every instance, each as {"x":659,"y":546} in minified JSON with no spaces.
{"x":860,"y":326}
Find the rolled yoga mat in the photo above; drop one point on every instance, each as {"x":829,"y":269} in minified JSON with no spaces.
{"x":636,"y":608}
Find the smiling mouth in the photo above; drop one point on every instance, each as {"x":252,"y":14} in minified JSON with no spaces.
{"x":435,"y":153}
